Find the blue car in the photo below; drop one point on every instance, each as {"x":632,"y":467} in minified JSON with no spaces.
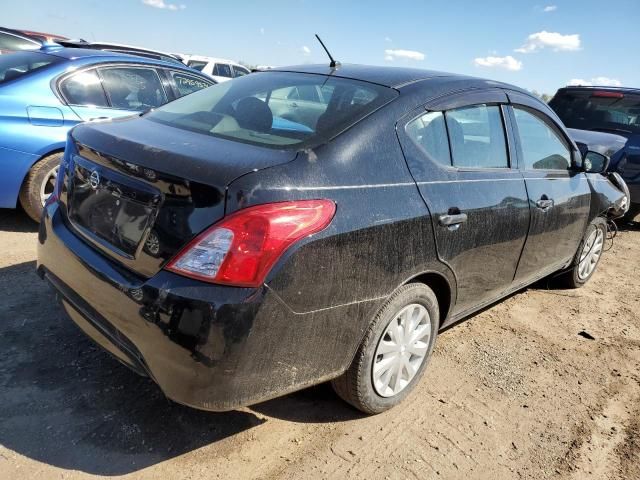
{"x":607,"y":117}
{"x":43,"y":93}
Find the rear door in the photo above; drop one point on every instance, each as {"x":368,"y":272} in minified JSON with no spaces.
{"x":459,"y":154}
{"x":559,"y":195}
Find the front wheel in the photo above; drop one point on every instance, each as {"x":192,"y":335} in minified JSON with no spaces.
{"x":39,"y":184}
{"x":588,"y":255}
{"x":397,"y":347}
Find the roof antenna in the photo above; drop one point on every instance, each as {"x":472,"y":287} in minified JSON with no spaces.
{"x":334,"y":63}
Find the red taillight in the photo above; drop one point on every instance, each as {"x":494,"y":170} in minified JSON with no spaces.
{"x":605,"y":94}
{"x":241,"y":249}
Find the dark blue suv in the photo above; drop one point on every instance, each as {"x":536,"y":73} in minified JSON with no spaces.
{"x":612,"y":110}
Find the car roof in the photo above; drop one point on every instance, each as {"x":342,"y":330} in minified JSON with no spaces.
{"x":78,"y":53}
{"x":394,"y":77}
{"x":603,"y":87}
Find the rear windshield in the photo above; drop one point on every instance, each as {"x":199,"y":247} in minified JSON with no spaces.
{"x":617,"y":112}
{"x":18,"y":64}
{"x":276,"y":109}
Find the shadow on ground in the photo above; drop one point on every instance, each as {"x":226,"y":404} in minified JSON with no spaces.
{"x":16,"y":221}
{"x":65,"y":402}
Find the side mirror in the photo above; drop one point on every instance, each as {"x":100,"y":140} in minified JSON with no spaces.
{"x":594,"y":162}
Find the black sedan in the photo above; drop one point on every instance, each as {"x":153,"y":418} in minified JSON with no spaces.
{"x":309,"y":224}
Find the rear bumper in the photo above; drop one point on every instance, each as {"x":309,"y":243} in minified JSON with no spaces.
{"x":207,"y":346}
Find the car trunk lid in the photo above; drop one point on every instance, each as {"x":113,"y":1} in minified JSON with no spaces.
{"x":138,"y":191}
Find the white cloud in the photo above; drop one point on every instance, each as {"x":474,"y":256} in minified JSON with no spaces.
{"x":165,"y":6}
{"x":507,"y":63}
{"x":556,"y":41}
{"x":391,"y":55}
{"x":306,"y":51}
{"x":599,"y":81}
{"x":550,"y":8}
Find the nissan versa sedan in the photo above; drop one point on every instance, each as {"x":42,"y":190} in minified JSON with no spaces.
{"x":43,"y":93}
{"x":233,"y":258}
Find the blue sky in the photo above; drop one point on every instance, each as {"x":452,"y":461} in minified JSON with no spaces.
{"x":532,"y":44}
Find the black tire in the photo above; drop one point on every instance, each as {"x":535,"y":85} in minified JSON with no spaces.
{"x":30,"y":198}
{"x":355,"y":386}
{"x":633,"y":212}
{"x":571,"y":278}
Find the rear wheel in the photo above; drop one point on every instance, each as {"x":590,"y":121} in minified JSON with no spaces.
{"x":588,"y":255}
{"x":39,"y":184}
{"x":394,"y":352}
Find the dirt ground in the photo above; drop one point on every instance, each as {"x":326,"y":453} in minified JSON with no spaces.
{"x":544,"y":385}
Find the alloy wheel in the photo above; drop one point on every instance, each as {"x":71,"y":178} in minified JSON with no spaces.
{"x":590,"y":254}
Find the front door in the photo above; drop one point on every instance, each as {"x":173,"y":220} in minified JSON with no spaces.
{"x":559,"y":195}
{"x":462,"y":164}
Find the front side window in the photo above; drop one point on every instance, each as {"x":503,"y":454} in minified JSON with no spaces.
{"x":429,"y":132}
{"x":84,"y":88}
{"x":222,"y":70}
{"x":477,"y":137}
{"x":133,"y":88}
{"x":542,"y":147}
{"x":186,"y":84}
{"x":255,"y":109}
{"x":18,"y":64}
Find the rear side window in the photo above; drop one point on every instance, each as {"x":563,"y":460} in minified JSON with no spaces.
{"x":133,"y":88}
{"x":542,"y":147}
{"x":430,"y":134}
{"x":17,"y":64}
{"x":186,"y":84}
{"x":222,"y":70}
{"x":477,"y":137}
{"x":84,"y":88}
{"x":239,"y":71}
{"x":256,"y":109}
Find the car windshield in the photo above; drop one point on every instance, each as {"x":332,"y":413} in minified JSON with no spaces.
{"x":276,"y":109}
{"x":18,"y":64}
{"x":607,"y":111}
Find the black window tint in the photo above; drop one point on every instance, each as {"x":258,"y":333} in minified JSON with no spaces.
{"x":17,"y":64}
{"x":222,"y":70}
{"x":186,"y":84}
{"x":240,"y":71}
{"x":12,"y":42}
{"x":594,"y":109}
{"x":477,"y":137}
{"x":133,"y":88}
{"x":542,"y":147}
{"x":430,"y":134}
{"x":84,"y":88}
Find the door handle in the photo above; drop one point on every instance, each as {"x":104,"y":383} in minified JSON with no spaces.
{"x":544,"y":203}
{"x":452,"y":220}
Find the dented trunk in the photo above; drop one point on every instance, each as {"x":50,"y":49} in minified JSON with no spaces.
{"x":139,"y":203}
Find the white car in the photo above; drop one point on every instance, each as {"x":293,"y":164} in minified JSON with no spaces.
{"x":219,"y":69}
